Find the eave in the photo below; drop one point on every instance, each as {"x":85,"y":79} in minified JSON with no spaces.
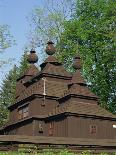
{"x":58,"y":115}
{"x":30,"y":98}
{"x":55,"y":116}
{"x":39,"y":117}
{"x":40,"y":75}
{"x":67,"y":96}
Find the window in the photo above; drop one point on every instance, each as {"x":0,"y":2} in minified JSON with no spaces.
{"x":23,"y":112}
{"x":51,"y":129}
{"x":93,"y":129}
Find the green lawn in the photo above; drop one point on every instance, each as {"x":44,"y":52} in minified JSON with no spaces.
{"x":50,"y":152}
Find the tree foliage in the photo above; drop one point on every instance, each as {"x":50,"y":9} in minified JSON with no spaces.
{"x":47,"y":22}
{"x":5,"y":37}
{"x":92,"y":32}
{"x":8,"y":88}
{"x":6,"y":40}
{"x":7,"y":93}
{"x":89,"y":30}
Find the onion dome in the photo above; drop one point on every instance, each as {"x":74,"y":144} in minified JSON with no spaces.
{"x":77,"y":62}
{"x":32,"y":57}
{"x":50,"y":49}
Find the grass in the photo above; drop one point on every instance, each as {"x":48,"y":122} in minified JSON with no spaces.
{"x":51,"y":152}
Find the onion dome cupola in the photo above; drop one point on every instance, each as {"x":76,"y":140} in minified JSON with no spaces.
{"x":32,"y":57}
{"x":77,"y":85}
{"x":51,"y":65}
{"x":77,"y":62}
{"x":50,"y":49}
{"x":30,"y":72}
{"x":77,"y":78}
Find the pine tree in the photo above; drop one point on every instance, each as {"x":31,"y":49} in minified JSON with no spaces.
{"x":23,"y":63}
{"x":7,"y":93}
{"x":8,"y":88}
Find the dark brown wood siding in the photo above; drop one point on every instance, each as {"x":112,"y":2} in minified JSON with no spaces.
{"x":80,"y":127}
{"x":59,"y":127}
{"x":39,"y":128}
{"x":13,"y":116}
{"x":25,"y":128}
{"x":37,"y":106}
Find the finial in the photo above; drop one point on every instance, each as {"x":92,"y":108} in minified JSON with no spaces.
{"x":32,"y":57}
{"x":77,"y":62}
{"x":50,"y":49}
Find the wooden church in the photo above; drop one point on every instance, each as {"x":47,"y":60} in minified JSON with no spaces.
{"x":55,"y":103}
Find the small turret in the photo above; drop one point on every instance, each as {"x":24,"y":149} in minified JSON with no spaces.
{"x":32,"y":57}
{"x":50,"y":49}
{"x":77,"y":62}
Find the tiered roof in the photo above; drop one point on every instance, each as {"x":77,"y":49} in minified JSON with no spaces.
{"x":78,"y":85}
{"x":59,"y":89}
{"x":83,"y":109}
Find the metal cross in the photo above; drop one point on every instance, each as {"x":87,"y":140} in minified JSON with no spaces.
{"x":44,"y":92}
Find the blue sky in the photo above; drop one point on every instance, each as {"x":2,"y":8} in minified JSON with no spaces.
{"x":15,"y":13}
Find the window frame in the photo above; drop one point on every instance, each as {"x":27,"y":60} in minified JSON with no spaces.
{"x":23,"y":112}
{"x":93,"y":129}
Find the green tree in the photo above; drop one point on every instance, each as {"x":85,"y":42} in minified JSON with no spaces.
{"x":23,"y":63}
{"x":8,"y":88}
{"x":92,"y":32}
{"x":47,"y":21}
{"x":7,"y":93}
{"x":6,"y":40}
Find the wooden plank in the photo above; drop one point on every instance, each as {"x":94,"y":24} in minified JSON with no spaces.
{"x":57,"y":140}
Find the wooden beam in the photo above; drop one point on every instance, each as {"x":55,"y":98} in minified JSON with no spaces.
{"x":58,"y":140}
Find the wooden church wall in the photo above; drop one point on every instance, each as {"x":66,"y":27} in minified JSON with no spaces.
{"x":14,"y":113}
{"x":39,"y":106}
{"x":24,"y":128}
{"x":13,"y":116}
{"x":90,"y":128}
{"x":39,"y":128}
{"x":57,"y":127}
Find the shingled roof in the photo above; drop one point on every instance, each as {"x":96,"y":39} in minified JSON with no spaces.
{"x":80,"y":90}
{"x":32,"y":70}
{"x":52,"y":67}
{"x":50,"y":59}
{"x":78,"y":85}
{"x":82,"y":108}
{"x":56,"y":70}
{"x":77,"y":78}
